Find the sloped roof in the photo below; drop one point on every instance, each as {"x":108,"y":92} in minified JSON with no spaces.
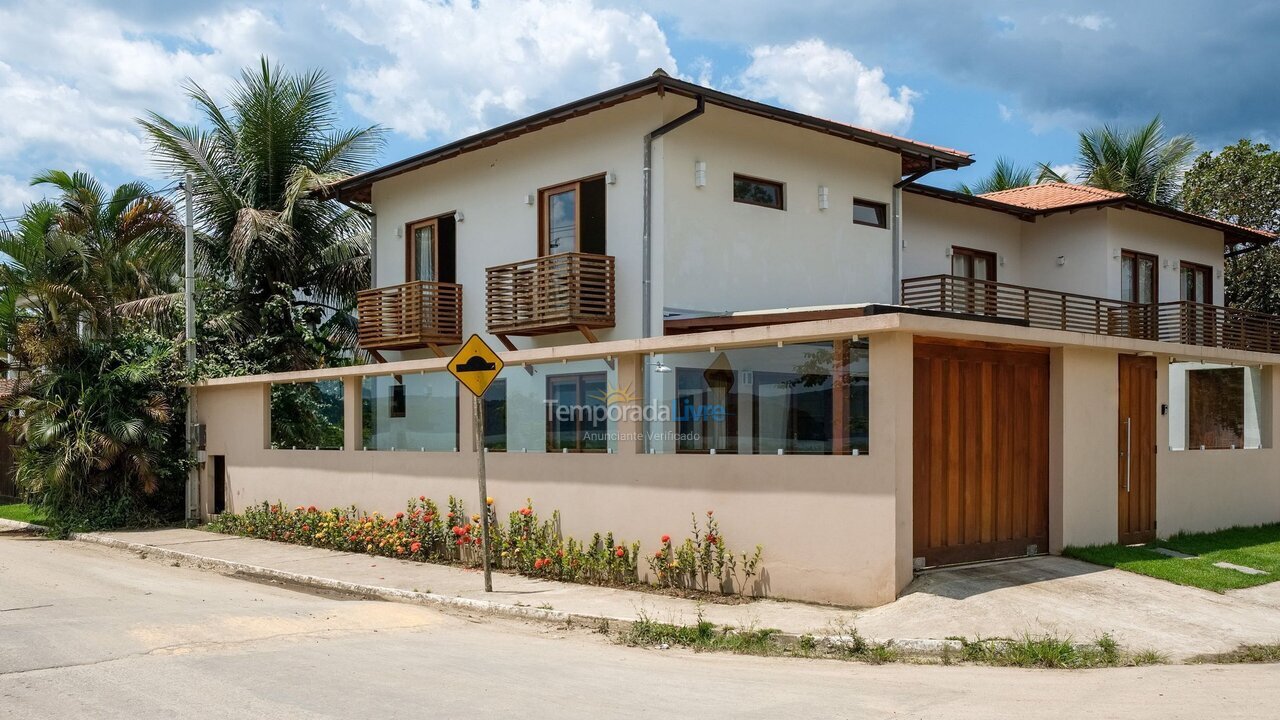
{"x":1053,"y":196}
{"x":916,"y":156}
{"x":1031,"y":201}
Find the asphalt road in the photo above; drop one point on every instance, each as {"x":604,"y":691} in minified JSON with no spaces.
{"x":88,"y":632}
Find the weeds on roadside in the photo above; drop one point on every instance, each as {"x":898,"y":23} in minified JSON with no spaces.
{"x":1048,"y":651}
{"x":1263,"y":653}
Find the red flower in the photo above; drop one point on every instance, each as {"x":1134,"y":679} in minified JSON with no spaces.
{"x":306,"y":528}
{"x":710,"y":512}
{"x":298,"y":509}
{"x":711,"y":539}
{"x":666,"y":539}
{"x":526,"y":511}
{"x":312,"y":508}
{"x":399,"y":516}
{"x":428,"y":517}
{"x":415,"y":547}
{"x":657,"y":553}
{"x":459,"y":530}
{"x":458,"y":541}
{"x":560,"y":553}
{"x":450,"y":515}
{"x":619,"y":552}
{"x":423,"y":498}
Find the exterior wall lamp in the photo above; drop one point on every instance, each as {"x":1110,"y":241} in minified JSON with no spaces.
{"x":823,"y":197}
{"x":700,"y":173}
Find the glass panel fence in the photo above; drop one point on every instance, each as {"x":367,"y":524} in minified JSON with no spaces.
{"x":307,"y":416}
{"x":414,"y":412}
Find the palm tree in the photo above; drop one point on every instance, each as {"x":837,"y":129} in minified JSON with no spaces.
{"x":1143,"y":162}
{"x":265,"y":231}
{"x":92,"y":414}
{"x":1004,"y":175}
{"x":80,"y":263}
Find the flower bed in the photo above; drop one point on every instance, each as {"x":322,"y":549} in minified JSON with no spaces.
{"x":523,"y":544}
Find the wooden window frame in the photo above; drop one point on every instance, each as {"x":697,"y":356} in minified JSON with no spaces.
{"x":882,"y":210}
{"x":411,"y":247}
{"x":1155,"y":274}
{"x":971,"y":253}
{"x":580,"y":379}
{"x":782,"y":192}
{"x":544,"y":217}
{"x":1208,"y":279}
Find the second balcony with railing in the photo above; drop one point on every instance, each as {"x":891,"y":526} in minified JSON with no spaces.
{"x":410,"y":316}
{"x":1179,"y":321}
{"x":551,"y":294}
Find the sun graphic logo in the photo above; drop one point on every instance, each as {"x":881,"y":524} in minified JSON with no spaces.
{"x":616,"y":395}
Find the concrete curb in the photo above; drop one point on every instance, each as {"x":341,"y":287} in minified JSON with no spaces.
{"x":6,"y":524}
{"x":918,"y":646}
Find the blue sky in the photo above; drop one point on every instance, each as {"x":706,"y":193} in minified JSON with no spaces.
{"x":1001,"y":77}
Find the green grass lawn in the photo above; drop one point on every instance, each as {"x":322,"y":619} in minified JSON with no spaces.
{"x":21,"y":512}
{"x":1255,"y":547}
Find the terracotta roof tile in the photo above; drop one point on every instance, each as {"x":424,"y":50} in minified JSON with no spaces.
{"x":1051,"y":196}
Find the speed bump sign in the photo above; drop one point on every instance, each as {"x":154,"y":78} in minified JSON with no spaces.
{"x":476,"y":365}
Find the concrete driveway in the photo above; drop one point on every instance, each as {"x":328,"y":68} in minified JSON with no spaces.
{"x":1072,"y":598}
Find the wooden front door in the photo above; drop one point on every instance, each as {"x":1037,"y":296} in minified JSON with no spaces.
{"x":980,"y":452}
{"x":1137,"y":442}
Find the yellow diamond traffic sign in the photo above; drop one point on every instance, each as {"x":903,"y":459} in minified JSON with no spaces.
{"x":476,"y":365}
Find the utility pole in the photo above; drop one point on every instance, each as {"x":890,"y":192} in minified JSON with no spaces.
{"x":189,"y":301}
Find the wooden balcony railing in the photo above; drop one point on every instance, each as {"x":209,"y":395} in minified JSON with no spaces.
{"x":1215,"y":326}
{"x":553,"y":293}
{"x":1181,"y":322}
{"x":411,"y":315}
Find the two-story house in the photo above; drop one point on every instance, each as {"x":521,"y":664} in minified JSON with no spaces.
{"x":708,"y":302}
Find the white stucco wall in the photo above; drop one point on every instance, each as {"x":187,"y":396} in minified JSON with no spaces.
{"x":489,"y":186}
{"x":931,"y":227}
{"x":722,"y":255}
{"x":1172,"y":241}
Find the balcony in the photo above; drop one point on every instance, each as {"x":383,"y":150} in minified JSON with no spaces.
{"x":1179,"y":321}
{"x":551,"y":294}
{"x":409,"y":316}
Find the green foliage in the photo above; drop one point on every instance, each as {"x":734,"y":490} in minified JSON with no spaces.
{"x":702,"y":636}
{"x":284,"y":260}
{"x":96,"y":414}
{"x":1044,"y":651}
{"x":307,"y":415}
{"x":1241,"y":184}
{"x":1144,"y":162}
{"x":1263,"y":653}
{"x":1256,"y":547}
{"x":1005,"y":174}
{"x":98,"y":435}
{"x":693,"y":563}
{"x":22,"y":512}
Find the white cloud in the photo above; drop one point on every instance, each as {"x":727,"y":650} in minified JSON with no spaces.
{"x":1092,"y":21}
{"x":460,"y":67}
{"x":14,"y":194}
{"x":830,"y":82}
{"x":1005,"y":113}
{"x":1069,"y":171}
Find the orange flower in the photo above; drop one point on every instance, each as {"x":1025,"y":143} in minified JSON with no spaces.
{"x":619,"y":552}
{"x":415,"y":547}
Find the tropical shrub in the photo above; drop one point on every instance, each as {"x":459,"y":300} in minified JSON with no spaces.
{"x":524,"y":543}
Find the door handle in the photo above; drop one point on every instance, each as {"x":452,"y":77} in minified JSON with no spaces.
{"x":1128,"y":454}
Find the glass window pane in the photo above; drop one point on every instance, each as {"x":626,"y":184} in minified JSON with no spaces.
{"x":959,"y":265}
{"x":757,"y":192}
{"x":562,"y":228}
{"x":307,"y":416}
{"x":419,"y":414}
{"x":495,"y":416}
{"x":1213,"y":406}
{"x":980,"y":267}
{"x":1126,"y":279}
{"x":869,"y":213}
{"x":1188,"y":290}
{"x":1146,"y":280}
{"x":424,"y":240}
{"x":799,"y":398}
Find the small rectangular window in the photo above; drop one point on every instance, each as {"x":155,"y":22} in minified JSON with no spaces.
{"x":866,"y":212}
{"x":754,"y":191}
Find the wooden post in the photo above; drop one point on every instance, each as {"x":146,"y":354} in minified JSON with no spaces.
{"x":839,"y":397}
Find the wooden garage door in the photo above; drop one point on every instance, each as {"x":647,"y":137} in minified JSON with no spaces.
{"x":981,"y":451}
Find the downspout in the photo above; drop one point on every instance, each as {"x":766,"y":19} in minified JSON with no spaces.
{"x":895,"y":295}
{"x":646,"y":244}
{"x":645,"y":241}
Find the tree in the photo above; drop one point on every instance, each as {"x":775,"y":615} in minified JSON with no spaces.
{"x":268,"y":238}
{"x":1006,"y":174}
{"x":1143,"y":162}
{"x":1241,"y":184}
{"x":93,"y":413}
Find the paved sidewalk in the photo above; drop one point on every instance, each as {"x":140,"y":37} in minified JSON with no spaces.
{"x":1040,"y":595}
